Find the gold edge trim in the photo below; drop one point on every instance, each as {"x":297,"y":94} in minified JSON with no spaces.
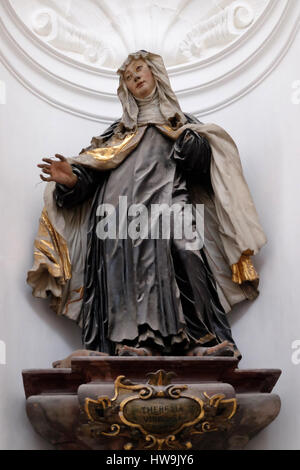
{"x":244,"y":270}
{"x":59,"y":245}
{"x":106,"y":153}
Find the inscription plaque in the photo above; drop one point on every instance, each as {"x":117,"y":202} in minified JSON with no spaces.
{"x":158,"y":414}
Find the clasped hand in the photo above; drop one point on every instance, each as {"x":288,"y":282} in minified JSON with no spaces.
{"x":59,"y":171}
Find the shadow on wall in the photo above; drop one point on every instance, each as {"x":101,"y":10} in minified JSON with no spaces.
{"x":66,"y":329}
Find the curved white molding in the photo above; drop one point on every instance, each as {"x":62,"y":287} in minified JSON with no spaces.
{"x":103,"y":32}
{"x":62,"y":81}
{"x":217,"y":31}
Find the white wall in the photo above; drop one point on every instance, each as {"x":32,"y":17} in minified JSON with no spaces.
{"x":265,"y":125}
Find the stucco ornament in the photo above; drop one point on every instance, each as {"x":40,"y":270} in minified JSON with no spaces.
{"x":66,"y":52}
{"x":103,"y":32}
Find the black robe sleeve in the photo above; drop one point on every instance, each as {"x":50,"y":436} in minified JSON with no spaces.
{"x":88,"y":179}
{"x":87,"y":183}
{"x":192,"y":153}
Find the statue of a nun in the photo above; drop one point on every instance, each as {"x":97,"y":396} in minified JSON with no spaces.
{"x":141,"y":294}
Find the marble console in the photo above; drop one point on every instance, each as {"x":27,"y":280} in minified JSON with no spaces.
{"x":111,"y":403}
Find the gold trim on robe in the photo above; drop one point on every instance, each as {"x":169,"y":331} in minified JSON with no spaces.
{"x":107,"y":153}
{"x":57,"y":246}
{"x":244,"y":270}
{"x":112,"y":155}
{"x":52,"y":266}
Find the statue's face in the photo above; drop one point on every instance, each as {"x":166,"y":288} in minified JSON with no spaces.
{"x":139,"y":79}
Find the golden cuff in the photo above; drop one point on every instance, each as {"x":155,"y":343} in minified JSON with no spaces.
{"x":244,"y":270}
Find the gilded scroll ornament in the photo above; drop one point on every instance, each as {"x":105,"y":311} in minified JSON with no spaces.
{"x":158,"y":415}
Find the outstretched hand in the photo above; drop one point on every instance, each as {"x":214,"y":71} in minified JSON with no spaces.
{"x":59,"y":171}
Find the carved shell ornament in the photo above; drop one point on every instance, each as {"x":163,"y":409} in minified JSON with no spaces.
{"x":67,"y":52}
{"x":102,"y":32}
